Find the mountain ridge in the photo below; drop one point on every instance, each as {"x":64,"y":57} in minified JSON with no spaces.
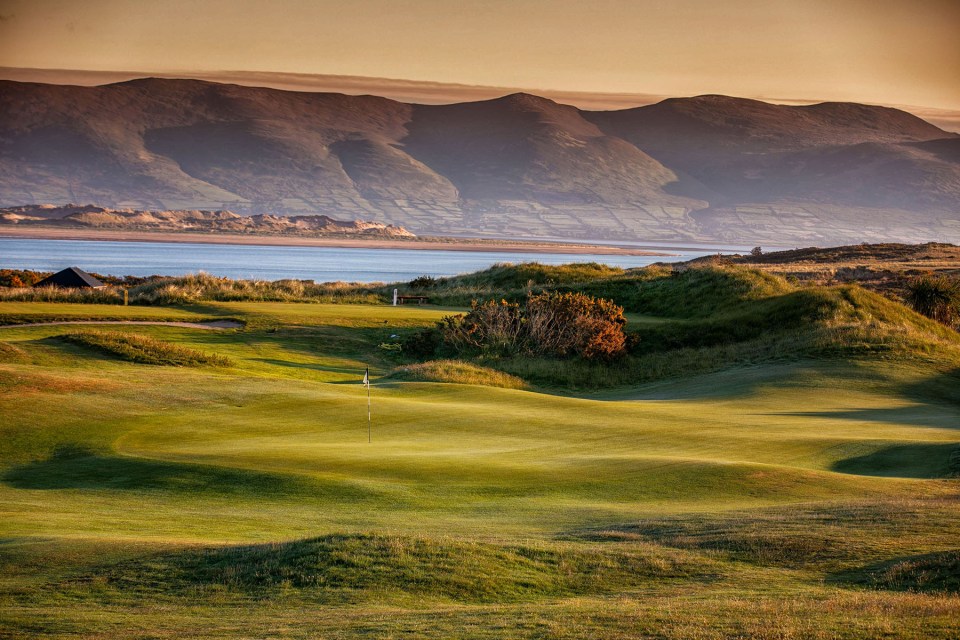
{"x":703,"y":168}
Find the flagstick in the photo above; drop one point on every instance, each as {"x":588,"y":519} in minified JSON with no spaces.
{"x":368,"y":411}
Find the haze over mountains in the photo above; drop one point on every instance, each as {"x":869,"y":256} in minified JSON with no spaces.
{"x":704,"y":168}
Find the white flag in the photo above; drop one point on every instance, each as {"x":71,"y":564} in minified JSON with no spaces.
{"x":366,"y":377}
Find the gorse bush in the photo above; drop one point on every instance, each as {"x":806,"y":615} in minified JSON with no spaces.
{"x":574,"y":323}
{"x":21,"y":277}
{"x":55,"y":294}
{"x":548,"y":324}
{"x":494,"y":327}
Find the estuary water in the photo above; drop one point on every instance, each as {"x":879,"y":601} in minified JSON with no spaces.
{"x":261,"y":262}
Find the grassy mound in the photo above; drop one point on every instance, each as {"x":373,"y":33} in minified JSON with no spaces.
{"x":930,"y":573}
{"x":828,"y":538}
{"x":509,"y":277}
{"x":10,"y":353}
{"x":357,"y":568}
{"x":693,"y":293}
{"x":144,"y":349}
{"x":458,"y":372}
{"x":710,"y":318}
{"x":654,"y":290}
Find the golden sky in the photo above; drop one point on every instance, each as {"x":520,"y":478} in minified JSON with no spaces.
{"x":875,"y":51}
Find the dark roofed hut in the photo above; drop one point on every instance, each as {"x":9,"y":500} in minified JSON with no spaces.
{"x":71,"y":278}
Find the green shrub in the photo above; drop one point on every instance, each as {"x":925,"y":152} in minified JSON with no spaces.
{"x":422,"y":345}
{"x":423,"y":282}
{"x":936,"y":297}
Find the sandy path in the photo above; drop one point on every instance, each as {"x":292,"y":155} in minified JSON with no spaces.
{"x":216,"y":324}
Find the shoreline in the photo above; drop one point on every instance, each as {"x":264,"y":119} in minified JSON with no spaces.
{"x":455,"y":244}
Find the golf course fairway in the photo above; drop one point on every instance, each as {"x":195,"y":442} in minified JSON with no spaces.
{"x":793,"y":497}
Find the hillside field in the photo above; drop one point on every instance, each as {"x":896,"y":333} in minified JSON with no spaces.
{"x":800,"y":484}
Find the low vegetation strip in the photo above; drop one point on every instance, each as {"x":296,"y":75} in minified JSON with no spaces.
{"x":213,"y":324}
{"x":931,"y":573}
{"x":144,"y":349}
{"x":98,"y":315}
{"x":342,"y":568}
{"x":459,"y":372}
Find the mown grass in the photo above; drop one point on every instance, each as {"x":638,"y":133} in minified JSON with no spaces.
{"x":144,"y":349}
{"x":765,"y":499}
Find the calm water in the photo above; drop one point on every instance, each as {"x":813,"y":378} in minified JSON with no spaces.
{"x":323,"y":264}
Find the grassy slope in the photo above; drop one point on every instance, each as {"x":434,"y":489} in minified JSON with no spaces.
{"x":662,"y":508}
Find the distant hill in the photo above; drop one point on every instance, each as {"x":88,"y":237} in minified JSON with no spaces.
{"x":704,"y":168}
{"x":93,"y":217}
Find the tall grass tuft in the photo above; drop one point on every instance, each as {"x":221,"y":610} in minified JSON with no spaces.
{"x":459,"y":372}
{"x":203,"y":287}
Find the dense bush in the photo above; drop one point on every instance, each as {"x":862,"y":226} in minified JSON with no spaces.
{"x":574,"y":323}
{"x":550,"y":324}
{"x":423,"y":282}
{"x":495,"y":327}
{"x":937,"y":298}
{"x":21,"y":277}
{"x":422,"y":345}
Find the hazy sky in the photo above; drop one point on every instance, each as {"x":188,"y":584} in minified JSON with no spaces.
{"x":879,"y":51}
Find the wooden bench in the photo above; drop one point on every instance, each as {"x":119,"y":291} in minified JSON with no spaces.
{"x":419,"y":299}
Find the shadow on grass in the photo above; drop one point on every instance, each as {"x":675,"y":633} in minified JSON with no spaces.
{"x":312,"y":366}
{"x":927,"y":573}
{"x":915,"y":416}
{"x":78,"y":467}
{"x":941,"y":460}
{"x":944,"y":387}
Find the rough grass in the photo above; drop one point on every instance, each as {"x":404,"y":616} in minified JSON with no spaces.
{"x":144,"y":349}
{"x":929,"y":573}
{"x":458,"y":372}
{"x":835,"y":538}
{"x":9,"y":352}
{"x":360,"y":568}
{"x":202,"y":287}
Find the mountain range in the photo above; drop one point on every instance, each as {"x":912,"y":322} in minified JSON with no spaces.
{"x":708,"y":168}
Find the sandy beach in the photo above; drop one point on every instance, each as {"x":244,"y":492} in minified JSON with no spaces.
{"x":445,"y":244}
